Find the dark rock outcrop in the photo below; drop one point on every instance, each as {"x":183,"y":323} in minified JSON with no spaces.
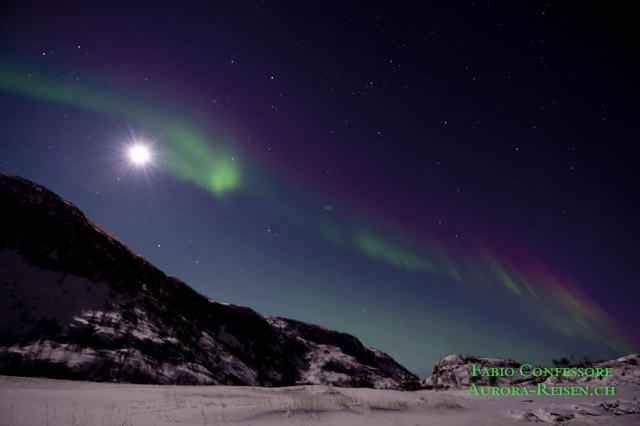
{"x":454,"y":372}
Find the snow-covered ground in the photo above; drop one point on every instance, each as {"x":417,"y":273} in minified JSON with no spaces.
{"x":29,"y":401}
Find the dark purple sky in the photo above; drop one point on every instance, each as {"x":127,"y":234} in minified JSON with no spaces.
{"x":441,"y":178}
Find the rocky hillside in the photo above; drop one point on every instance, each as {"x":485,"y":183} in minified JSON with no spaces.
{"x":454,"y":371}
{"x":77,"y":303}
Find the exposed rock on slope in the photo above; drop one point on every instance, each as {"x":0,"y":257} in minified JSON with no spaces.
{"x":453,"y":371}
{"x":77,"y":303}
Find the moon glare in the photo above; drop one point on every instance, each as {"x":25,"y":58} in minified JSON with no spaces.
{"x":139,"y":154}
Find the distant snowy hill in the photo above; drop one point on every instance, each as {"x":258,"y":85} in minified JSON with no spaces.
{"x":456,"y":372}
{"x":77,"y":303}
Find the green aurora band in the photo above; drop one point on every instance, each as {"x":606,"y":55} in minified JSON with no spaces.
{"x":215,"y":167}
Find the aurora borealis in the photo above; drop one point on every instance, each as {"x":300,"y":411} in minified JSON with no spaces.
{"x":431,"y":179}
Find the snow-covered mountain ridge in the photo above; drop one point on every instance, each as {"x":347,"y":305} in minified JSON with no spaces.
{"x":77,"y":303}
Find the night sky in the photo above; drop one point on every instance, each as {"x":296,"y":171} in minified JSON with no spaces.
{"x":434,"y":178}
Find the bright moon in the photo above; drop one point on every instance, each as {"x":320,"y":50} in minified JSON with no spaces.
{"x":139,"y":154}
